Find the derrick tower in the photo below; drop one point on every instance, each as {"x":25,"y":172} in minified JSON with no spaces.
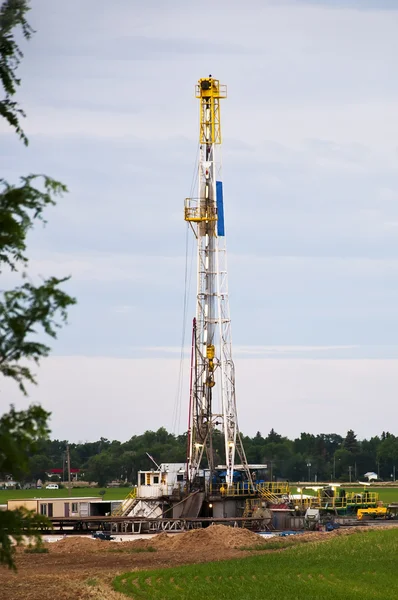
{"x":212,"y":390}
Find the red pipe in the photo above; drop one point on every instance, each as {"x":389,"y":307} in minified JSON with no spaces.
{"x":190,"y":393}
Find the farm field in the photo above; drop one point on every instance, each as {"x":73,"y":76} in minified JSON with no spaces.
{"x":347,"y":563}
{"x":110,"y":493}
{"x":355,"y":566}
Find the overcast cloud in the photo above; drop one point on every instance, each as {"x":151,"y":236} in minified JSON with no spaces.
{"x":310,"y":155}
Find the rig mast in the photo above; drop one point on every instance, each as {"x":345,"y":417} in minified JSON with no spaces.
{"x":211,"y":339}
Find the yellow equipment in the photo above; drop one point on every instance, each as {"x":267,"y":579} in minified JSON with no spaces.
{"x":374,"y":513}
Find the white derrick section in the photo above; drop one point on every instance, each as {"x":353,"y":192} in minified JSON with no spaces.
{"x":212,"y":377}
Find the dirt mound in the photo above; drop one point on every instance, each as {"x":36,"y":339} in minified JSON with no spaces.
{"x":213,"y":537}
{"x":222,"y":537}
{"x":85,"y":545}
{"x":217,"y":539}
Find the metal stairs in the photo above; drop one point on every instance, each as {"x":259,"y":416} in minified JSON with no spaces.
{"x":247,"y":513}
{"x":127,"y":505}
{"x":266,"y":494}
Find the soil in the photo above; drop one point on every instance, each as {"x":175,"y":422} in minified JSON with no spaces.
{"x":83,"y":568}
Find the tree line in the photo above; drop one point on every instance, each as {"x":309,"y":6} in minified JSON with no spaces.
{"x":321,"y":457}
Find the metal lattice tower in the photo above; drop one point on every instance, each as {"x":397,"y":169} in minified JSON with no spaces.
{"x":212,"y":365}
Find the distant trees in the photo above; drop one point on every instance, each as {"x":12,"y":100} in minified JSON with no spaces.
{"x":117,"y":461}
{"x":39,"y":465}
{"x":351,"y":443}
{"x":101,"y":468}
{"x":387,"y":452}
{"x":104,"y":460}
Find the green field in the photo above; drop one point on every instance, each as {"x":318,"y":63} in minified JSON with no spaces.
{"x":386,"y":494}
{"x":111,"y":493}
{"x":357,"y":566}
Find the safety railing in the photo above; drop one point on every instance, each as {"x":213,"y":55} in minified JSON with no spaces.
{"x":127,"y":504}
{"x":354,"y":498}
{"x":215,"y":89}
{"x":195,"y":210}
{"x":349,"y":500}
{"x":276,"y":487}
{"x":272,"y":492}
{"x":236,"y":489}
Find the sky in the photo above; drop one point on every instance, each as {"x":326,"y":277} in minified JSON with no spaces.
{"x":310,"y":171}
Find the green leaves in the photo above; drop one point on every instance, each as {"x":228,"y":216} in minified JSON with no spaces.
{"x":20,"y":432}
{"x":351,"y":443}
{"x":18,"y":524}
{"x":28,"y":311}
{"x":22,"y":312}
{"x":12,"y":16}
{"x":10,"y":111}
{"x":388,"y":450}
{"x":20,"y":207}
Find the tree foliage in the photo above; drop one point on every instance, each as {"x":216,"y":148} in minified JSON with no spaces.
{"x":22,"y":311}
{"x":350,"y":442}
{"x":104,"y":460}
{"x":387,"y":452}
{"x":19,"y":435}
{"x":20,"y":432}
{"x":12,"y":16}
{"x":15,"y":525}
{"x":20,"y":207}
{"x":28,"y":312}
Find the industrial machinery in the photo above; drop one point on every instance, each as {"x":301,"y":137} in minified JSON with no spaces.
{"x":335,"y":500}
{"x":103,"y":535}
{"x":315,"y":519}
{"x":212,"y":368}
{"x":217,"y":483}
{"x":211,"y":484}
{"x":312,"y":519}
{"x":380,"y":512}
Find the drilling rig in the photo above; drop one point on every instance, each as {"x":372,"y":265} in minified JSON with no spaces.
{"x":212,"y":403}
{"x":202,"y":487}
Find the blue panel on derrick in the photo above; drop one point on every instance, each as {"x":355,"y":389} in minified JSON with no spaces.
{"x":220,"y":209}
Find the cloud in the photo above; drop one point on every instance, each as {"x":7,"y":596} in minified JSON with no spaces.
{"x":111,"y":268}
{"x":108,"y":267}
{"x":310,"y":173}
{"x":373,"y":5}
{"x":262,"y":351}
{"x":123,"y":309}
{"x":138,"y":47}
{"x":270,"y":393}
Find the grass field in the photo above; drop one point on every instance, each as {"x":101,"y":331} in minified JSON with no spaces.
{"x":357,"y":566}
{"x":111,"y":493}
{"x":386,"y":494}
